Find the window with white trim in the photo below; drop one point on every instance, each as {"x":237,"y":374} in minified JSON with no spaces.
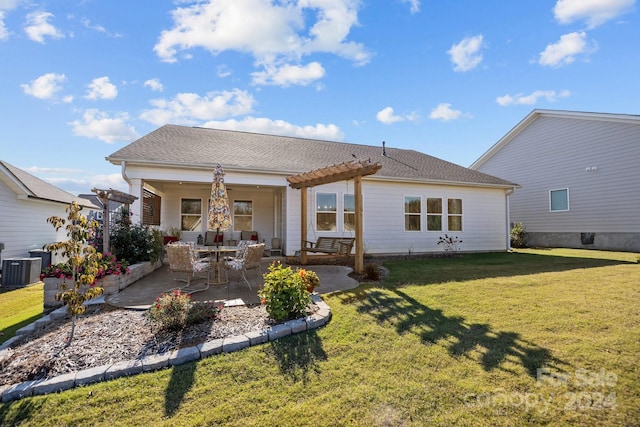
{"x":326,"y":211}
{"x":559,"y":200}
{"x":454,"y":214}
{"x":242,"y":215}
{"x":434,"y":214}
{"x":412,"y":213}
{"x":190,"y":214}
{"x":349,"y":208}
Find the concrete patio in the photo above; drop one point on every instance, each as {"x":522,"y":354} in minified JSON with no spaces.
{"x":141,"y":294}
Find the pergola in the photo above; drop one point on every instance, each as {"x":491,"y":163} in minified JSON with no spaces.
{"x":339,"y":172}
{"x":115,"y":196}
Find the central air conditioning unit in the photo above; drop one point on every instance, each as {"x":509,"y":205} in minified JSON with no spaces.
{"x":19,"y":272}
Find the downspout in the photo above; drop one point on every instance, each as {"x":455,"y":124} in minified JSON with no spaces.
{"x":508,"y":215}
{"x":124,"y":174}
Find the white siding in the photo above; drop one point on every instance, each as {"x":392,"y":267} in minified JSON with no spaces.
{"x":484,"y":210}
{"x":23,"y":224}
{"x":484,"y":217}
{"x":554,"y":153}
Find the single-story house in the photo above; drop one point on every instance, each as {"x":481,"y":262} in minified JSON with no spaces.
{"x":411,"y":202}
{"x":579,"y":175}
{"x":25,"y":204}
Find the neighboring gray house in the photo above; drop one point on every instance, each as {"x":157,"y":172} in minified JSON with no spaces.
{"x":25,"y":204}
{"x":407,"y":205}
{"x":579,"y":175}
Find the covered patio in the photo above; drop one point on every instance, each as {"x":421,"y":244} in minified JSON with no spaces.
{"x":141,"y":294}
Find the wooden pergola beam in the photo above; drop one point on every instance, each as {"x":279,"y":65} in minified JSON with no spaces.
{"x":334,"y":173}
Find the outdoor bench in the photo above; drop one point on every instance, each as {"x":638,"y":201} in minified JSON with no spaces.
{"x":331,"y":245}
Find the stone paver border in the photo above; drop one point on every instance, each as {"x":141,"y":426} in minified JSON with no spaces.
{"x":150,"y":363}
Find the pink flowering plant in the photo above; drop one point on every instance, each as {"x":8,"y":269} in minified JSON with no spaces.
{"x":107,"y":265}
{"x":174,"y":311}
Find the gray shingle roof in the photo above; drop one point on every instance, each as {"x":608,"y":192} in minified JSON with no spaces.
{"x":204,"y":147}
{"x":39,"y":189}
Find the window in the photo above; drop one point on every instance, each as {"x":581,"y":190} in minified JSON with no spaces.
{"x":191,"y":214}
{"x":559,"y":200}
{"x":349,"y":212}
{"x":412,"y":212}
{"x":454,"y":217}
{"x":434,"y":214}
{"x":150,"y":208}
{"x":242,"y":215}
{"x":326,"y":211}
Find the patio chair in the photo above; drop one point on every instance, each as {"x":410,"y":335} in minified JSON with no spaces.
{"x":211,"y":238}
{"x":249,"y":260}
{"x":183,"y":259}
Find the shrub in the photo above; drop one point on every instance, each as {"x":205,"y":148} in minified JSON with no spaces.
{"x":451,"y":244}
{"x":284,"y":293}
{"x":518,"y":236}
{"x":135,"y":243}
{"x":174,"y":311}
{"x":371,"y":272}
{"x":309,"y":278}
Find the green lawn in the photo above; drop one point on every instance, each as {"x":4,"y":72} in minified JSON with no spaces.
{"x":18,"y":308}
{"x":440,"y":342}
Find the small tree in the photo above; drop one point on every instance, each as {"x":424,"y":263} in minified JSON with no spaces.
{"x":82,"y":258}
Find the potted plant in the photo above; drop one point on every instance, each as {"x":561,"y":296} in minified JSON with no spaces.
{"x":172,"y":234}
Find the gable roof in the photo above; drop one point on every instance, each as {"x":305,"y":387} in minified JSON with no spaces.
{"x":535,"y":114}
{"x":183,"y":146}
{"x":25,"y":184}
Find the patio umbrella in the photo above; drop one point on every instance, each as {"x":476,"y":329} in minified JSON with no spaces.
{"x":219,"y":212}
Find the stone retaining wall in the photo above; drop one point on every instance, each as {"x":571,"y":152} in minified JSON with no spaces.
{"x":111,"y":284}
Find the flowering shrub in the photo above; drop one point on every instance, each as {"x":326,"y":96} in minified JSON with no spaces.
{"x":107,"y":265}
{"x":309,"y":278}
{"x":174,"y":311}
{"x":284,"y":293}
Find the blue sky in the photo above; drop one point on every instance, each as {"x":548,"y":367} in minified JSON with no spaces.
{"x":81,"y":79}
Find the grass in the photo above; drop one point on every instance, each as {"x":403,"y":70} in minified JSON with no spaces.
{"x":439,"y":342}
{"x":18,"y":308}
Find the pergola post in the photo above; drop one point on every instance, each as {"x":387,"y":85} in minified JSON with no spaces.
{"x":334,"y":173}
{"x":359,"y":265}
{"x":303,"y":221}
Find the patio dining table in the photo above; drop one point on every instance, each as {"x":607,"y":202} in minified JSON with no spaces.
{"x":220,"y":275}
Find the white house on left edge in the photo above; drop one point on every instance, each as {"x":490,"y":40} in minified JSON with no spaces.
{"x":25,"y":204}
{"x":407,"y":205}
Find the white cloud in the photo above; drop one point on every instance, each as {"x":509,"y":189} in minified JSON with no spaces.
{"x":274,"y":33}
{"x":45,"y":87}
{"x":4,"y":33}
{"x":414,"y":5}
{"x":564,"y":51}
{"x":594,"y":12}
{"x":287,"y":75}
{"x":445,"y":113}
{"x":99,"y":125}
{"x":101,"y":88}
{"x":223,"y":71}
{"x":154,"y":84}
{"x":387,"y":116}
{"x":38,"y":27}
{"x":466,"y":55}
{"x":329,"y":132}
{"x":78,"y":181}
{"x":532,"y":98}
{"x":191,"y":108}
